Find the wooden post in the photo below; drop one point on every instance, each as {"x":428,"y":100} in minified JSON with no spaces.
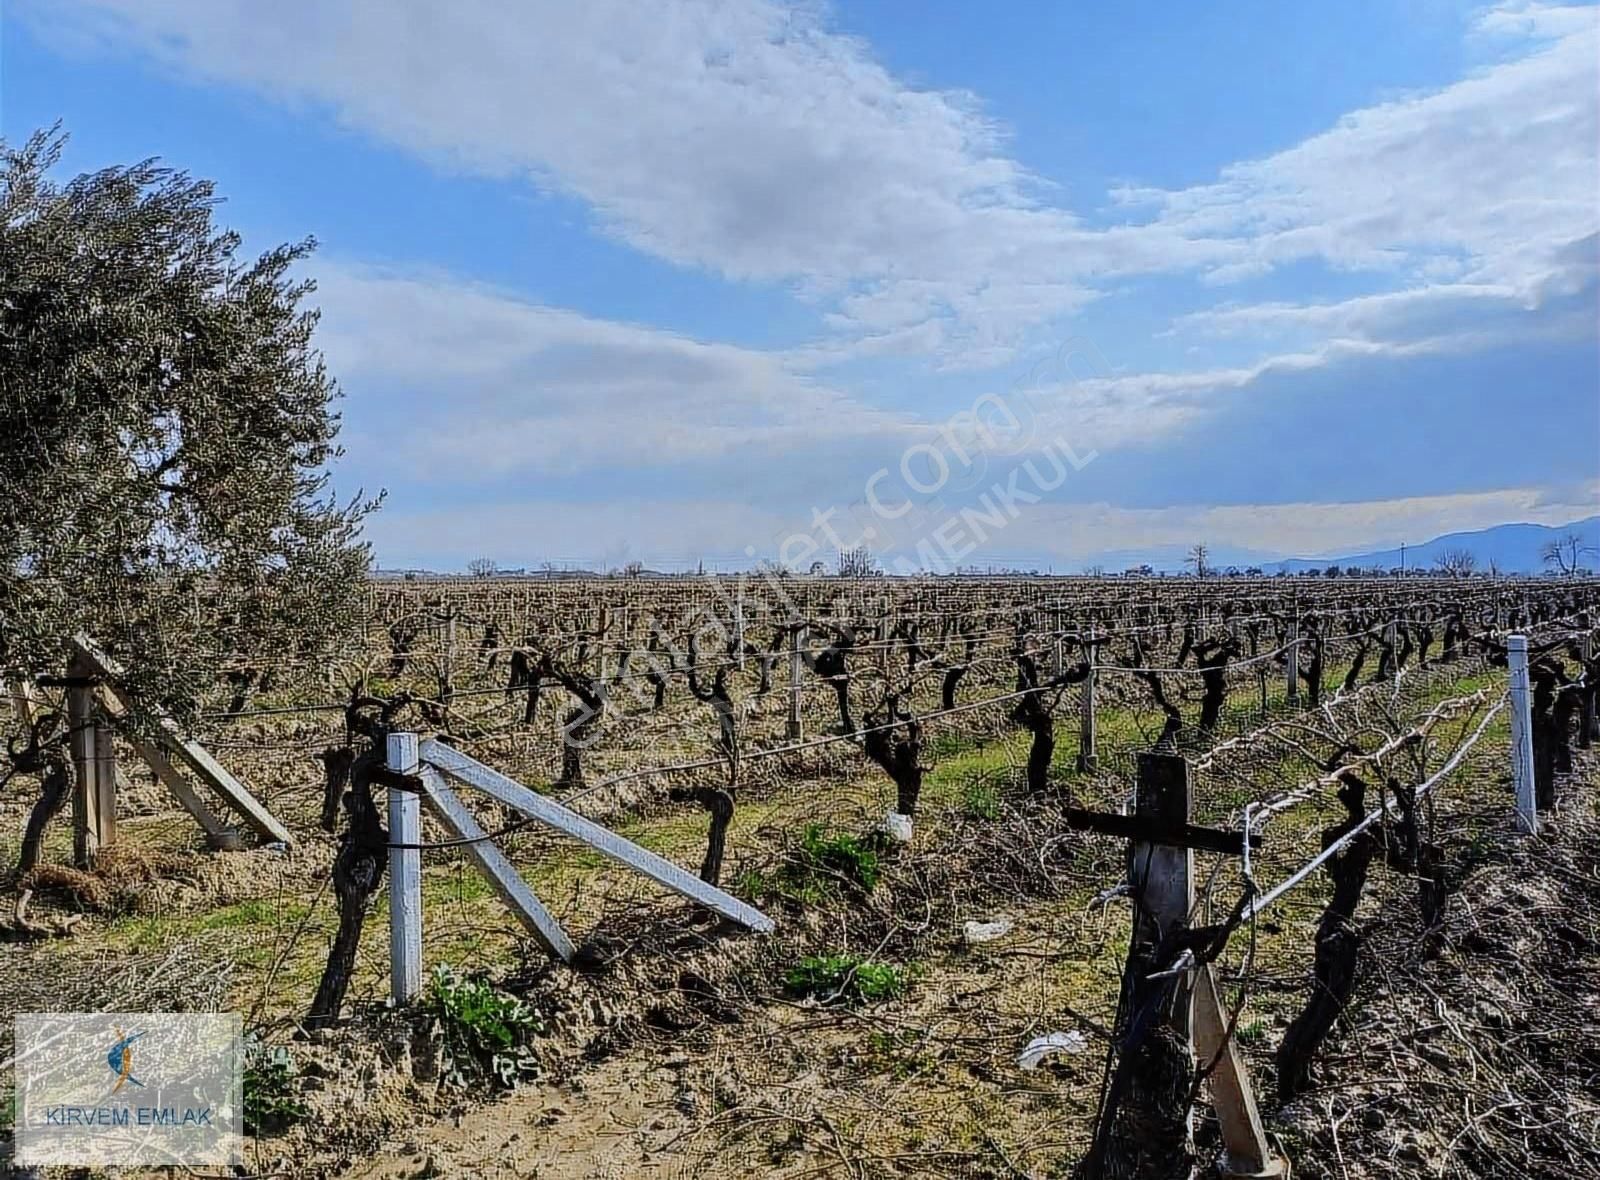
{"x":738,"y":621}
{"x":1522,"y":733}
{"x":1163,"y":874}
{"x":1152,"y":1133}
{"x":797,"y":641}
{"x":1587,"y":730}
{"x":95,"y":662}
{"x":94,"y":789}
{"x":405,"y":875}
{"x":1088,"y":760}
{"x":105,"y":778}
{"x":447,"y":683}
{"x":1247,"y":1155}
{"x":1291,"y":663}
{"x":1056,"y":659}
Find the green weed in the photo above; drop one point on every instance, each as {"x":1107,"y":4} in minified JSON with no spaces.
{"x":845,"y":976}
{"x":981,"y":799}
{"x":486,"y":1033}
{"x":271,"y":1096}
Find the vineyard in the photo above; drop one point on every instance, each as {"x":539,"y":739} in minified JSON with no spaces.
{"x":856,"y":877}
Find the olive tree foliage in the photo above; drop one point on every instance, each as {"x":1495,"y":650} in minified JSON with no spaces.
{"x":165,"y":433}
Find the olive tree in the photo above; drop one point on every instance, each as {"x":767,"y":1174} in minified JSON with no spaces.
{"x":166,"y":429}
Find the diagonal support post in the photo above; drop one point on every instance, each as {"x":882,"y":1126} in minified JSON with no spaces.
{"x":604,"y":841}
{"x":502,"y":876}
{"x":190,"y":753}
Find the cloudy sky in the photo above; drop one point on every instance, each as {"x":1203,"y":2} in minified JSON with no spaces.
{"x":1016,"y":283}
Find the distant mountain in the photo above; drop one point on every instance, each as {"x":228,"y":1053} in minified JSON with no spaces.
{"x":1511,"y":548}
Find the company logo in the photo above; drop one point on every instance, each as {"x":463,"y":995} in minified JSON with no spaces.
{"x":120,"y":1060}
{"x":175,"y":1094}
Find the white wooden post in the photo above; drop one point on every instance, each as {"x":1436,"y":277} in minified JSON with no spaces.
{"x":797,"y":640}
{"x":1088,"y":761}
{"x":1522,"y":733}
{"x":496,"y":869}
{"x":1291,"y":663}
{"x":547,"y":811}
{"x":405,"y":875}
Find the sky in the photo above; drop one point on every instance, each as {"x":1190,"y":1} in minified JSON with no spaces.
{"x":970,"y":285}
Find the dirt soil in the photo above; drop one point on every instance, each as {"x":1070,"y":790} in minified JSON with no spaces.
{"x":1481,"y":1061}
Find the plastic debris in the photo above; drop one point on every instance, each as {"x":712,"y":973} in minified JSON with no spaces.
{"x":988,"y":931}
{"x":1057,"y":1042}
{"x":1106,"y":896}
{"x":897,"y":827}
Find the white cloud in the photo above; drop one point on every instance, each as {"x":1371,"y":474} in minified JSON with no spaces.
{"x":742,"y":137}
{"x":1492,"y":179}
{"x":486,"y":384}
{"x":528,"y":532}
{"x":749,"y":138}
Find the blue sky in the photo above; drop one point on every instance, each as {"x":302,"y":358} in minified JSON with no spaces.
{"x":745,"y":279}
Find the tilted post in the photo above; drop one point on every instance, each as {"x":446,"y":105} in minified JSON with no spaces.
{"x":405,"y":874}
{"x":1088,"y":760}
{"x":797,"y":641}
{"x":1522,"y":734}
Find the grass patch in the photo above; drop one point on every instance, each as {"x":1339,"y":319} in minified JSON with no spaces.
{"x":981,"y":799}
{"x":845,"y":976}
{"x":823,"y":861}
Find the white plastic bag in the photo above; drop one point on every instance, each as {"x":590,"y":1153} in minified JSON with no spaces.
{"x":1057,"y":1042}
{"x":897,"y":827}
{"x":987,"y":931}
